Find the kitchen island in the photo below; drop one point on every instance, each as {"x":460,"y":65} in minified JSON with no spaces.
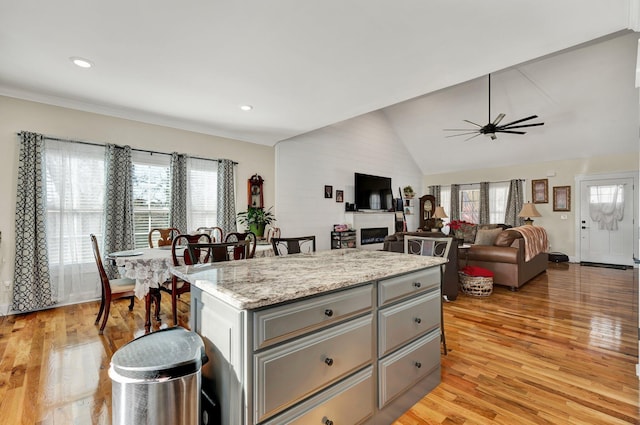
{"x":346,"y":336}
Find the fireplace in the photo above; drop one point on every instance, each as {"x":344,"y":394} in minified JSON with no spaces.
{"x":373,"y":235}
{"x":371,"y":228}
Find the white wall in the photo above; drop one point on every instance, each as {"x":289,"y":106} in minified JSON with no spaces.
{"x":17,"y":115}
{"x":331,"y":156}
{"x":562,"y":232}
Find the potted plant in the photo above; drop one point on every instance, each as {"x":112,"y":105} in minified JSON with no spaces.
{"x":408,"y":192}
{"x":256,"y":219}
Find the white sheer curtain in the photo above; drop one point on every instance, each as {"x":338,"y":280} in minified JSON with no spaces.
{"x":606,"y":205}
{"x":75,"y":207}
{"x":202,"y":193}
{"x":498,"y":194}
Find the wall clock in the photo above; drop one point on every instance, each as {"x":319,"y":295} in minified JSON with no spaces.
{"x":254,"y":191}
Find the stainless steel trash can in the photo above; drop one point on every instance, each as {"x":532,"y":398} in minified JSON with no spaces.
{"x":156,"y":379}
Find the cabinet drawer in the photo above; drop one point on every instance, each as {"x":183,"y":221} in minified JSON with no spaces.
{"x":404,"y":368}
{"x":293,"y":371}
{"x":349,"y":402}
{"x":411,"y":283}
{"x":403,"y":322}
{"x":284,"y":322}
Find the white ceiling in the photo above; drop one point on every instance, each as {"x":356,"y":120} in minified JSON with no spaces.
{"x":303,"y":64}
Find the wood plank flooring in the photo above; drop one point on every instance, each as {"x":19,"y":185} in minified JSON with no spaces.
{"x":562,"y":350}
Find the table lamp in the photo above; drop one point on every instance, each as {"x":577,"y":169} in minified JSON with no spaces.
{"x":529,"y":210}
{"x":439,"y":214}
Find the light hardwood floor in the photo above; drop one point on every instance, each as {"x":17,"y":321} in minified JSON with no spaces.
{"x":562,"y":350}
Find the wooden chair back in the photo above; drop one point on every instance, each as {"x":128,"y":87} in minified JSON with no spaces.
{"x":273,"y":232}
{"x":297,"y":245}
{"x":216,"y":233}
{"x":122,"y":288}
{"x":162,"y":236}
{"x":179,"y":249}
{"x":219,"y":251}
{"x":251,"y":239}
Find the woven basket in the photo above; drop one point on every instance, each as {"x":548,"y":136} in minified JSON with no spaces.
{"x":476,"y":286}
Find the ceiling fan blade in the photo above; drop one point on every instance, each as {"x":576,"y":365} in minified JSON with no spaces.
{"x":461,"y":134}
{"x":498,"y":119}
{"x":472,"y":137}
{"x":512,"y":132}
{"x":471,"y":122}
{"x":521,"y":126}
{"x":520,"y":120}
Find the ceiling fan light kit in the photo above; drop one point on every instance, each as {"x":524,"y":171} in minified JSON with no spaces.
{"x":494,"y":127}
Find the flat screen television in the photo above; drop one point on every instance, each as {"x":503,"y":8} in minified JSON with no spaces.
{"x":373,"y":193}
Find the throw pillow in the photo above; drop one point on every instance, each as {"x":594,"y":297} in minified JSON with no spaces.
{"x":506,"y":238}
{"x":487,"y":236}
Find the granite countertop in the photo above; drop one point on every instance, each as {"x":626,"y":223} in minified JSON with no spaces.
{"x":260,"y":282}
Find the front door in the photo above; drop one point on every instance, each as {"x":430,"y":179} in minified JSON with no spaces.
{"x":606,"y":221}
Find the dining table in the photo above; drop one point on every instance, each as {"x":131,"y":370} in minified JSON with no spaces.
{"x":149,"y":267}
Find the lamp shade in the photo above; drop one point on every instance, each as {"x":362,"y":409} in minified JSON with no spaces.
{"x":529,"y":210}
{"x":439,"y":213}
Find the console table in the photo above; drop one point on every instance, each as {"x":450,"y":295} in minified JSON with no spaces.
{"x":339,"y":336}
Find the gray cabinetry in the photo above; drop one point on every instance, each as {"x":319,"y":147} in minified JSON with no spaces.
{"x":358,"y":355}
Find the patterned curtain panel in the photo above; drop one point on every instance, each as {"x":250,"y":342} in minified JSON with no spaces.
{"x":118,"y":231}
{"x":514,"y":203}
{"x":455,"y":202}
{"x":178,"y":214}
{"x":485,"y":214}
{"x":226,"y":197}
{"x":435,"y":191}
{"x":32,"y":282}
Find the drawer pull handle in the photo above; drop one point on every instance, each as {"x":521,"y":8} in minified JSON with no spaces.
{"x":417,"y":284}
{"x":328,"y":312}
{"x":418,"y":365}
{"x":418,"y":320}
{"x":328,"y":422}
{"x":328,"y":361}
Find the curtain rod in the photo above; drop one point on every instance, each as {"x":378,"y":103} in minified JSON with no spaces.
{"x":84,"y":142}
{"x":499,"y":181}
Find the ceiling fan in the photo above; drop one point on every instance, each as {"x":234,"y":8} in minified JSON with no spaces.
{"x":494,"y":127}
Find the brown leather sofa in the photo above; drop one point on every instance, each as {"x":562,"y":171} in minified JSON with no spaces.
{"x":506,"y":262}
{"x":395,"y":243}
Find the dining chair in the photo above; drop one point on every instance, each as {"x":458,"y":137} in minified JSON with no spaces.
{"x":112,"y":289}
{"x":181,"y":255}
{"x":162,"y":236}
{"x":297,"y":245}
{"x":218,"y":251}
{"x":216,"y":233}
{"x":251,"y":239}
{"x":431,"y":247}
{"x":273,"y":232}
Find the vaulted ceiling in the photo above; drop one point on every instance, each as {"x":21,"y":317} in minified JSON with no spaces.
{"x":305,"y":65}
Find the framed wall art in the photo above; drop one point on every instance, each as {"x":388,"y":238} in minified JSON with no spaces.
{"x":540,"y":191}
{"x":562,"y":198}
{"x":328,"y":191}
{"x":339,"y":196}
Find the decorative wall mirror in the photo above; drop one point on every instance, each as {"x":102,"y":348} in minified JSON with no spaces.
{"x":254,"y":191}
{"x":427,"y":207}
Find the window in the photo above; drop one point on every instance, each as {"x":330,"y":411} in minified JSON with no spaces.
{"x":498,"y":195}
{"x":202,"y":193}
{"x":74,"y":176}
{"x":151,"y":194}
{"x":445,"y":201}
{"x":470,"y":203}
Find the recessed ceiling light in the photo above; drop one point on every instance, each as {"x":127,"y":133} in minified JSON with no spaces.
{"x":246,"y":107}
{"x":81,"y":62}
